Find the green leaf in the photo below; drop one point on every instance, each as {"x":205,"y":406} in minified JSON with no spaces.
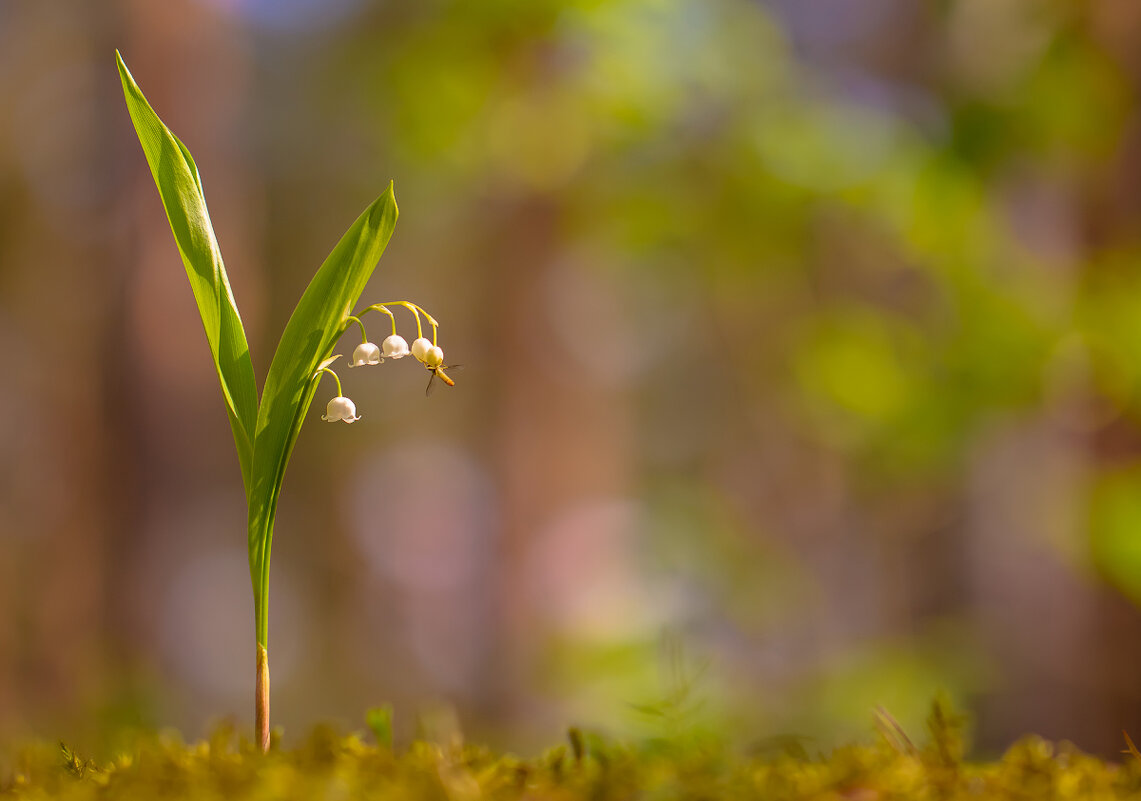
{"x":317,"y":323}
{"x":179,"y":186}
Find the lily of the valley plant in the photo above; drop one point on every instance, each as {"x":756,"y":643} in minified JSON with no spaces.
{"x":266,"y":430}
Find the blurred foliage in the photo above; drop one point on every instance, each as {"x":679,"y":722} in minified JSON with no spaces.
{"x":590,"y":767}
{"x":860,"y":260}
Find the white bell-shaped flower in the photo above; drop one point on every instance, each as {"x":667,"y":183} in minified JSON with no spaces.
{"x":420,"y":348}
{"x":434,"y":357}
{"x":341,"y":408}
{"x":395,"y":347}
{"x":365,"y":354}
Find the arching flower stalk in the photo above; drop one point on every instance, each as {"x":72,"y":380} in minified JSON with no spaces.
{"x":426,"y":351}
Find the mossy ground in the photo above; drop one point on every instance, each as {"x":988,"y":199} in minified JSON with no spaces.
{"x":331,"y":766}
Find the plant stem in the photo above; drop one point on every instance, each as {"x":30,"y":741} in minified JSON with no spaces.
{"x":261,"y":699}
{"x":335,"y":378}
{"x":357,"y":320}
{"x":260,"y":541}
{"x":259,"y":568}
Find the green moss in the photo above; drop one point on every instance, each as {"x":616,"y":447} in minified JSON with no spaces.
{"x":331,"y":766}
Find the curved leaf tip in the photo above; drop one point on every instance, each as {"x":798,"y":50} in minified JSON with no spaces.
{"x":383,"y":206}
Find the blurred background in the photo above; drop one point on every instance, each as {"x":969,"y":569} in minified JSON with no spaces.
{"x":802,"y":348}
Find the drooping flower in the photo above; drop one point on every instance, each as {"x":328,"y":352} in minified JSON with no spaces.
{"x":420,"y":348}
{"x":395,"y":347}
{"x":434,"y":357}
{"x":365,"y":354}
{"x":341,"y":408}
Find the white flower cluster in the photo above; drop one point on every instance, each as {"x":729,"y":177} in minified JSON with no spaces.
{"x":393,"y":347}
{"x":426,"y":351}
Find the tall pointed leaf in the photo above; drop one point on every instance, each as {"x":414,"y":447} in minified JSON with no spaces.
{"x":179,"y":186}
{"x":314,"y":328}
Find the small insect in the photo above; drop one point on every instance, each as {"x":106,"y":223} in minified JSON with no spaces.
{"x":438,"y":372}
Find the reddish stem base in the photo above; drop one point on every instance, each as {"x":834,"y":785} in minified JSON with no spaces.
{"x":261,"y":700}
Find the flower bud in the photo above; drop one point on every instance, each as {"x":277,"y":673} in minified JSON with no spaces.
{"x":434,"y":357}
{"x":366,"y":353}
{"x":420,"y":348}
{"x":341,"y":408}
{"x":395,"y":347}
